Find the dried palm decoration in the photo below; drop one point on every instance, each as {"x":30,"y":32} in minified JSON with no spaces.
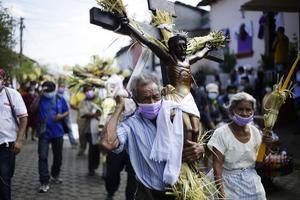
{"x":216,"y":38}
{"x":164,"y":21}
{"x":113,"y":6}
{"x":193,"y":184}
{"x":94,"y":74}
{"x":281,"y":91}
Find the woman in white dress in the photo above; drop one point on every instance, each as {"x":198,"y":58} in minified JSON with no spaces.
{"x":234,"y":147}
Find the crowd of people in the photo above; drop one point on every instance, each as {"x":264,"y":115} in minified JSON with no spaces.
{"x":42,"y":111}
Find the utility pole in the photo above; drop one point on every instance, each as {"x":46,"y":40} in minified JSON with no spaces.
{"x":22,"y":26}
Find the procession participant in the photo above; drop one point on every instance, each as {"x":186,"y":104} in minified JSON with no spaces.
{"x":178,"y":67}
{"x":89,"y":111}
{"x":234,"y":147}
{"x":61,"y":92}
{"x":137,"y":133}
{"x":281,"y":51}
{"x":180,"y":105}
{"x":115,"y":163}
{"x":29,"y":94}
{"x":75,"y":101}
{"x":13,"y":120}
{"x":52,"y":110}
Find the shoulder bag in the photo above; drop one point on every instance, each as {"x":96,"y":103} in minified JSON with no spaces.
{"x":12,"y":107}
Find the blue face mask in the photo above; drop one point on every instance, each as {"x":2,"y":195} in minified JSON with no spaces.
{"x":49,"y":95}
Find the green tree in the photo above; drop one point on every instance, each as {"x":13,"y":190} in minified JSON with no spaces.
{"x":8,"y":58}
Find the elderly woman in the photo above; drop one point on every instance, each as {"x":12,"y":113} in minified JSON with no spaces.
{"x":234,"y":147}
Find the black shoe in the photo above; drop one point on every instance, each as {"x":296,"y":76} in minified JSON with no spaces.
{"x":80,"y":153}
{"x":109,"y":197}
{"x":56,"y":180}
{"x":91,"y":173}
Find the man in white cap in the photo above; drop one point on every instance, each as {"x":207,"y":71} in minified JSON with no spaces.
{"x":215,"y":115}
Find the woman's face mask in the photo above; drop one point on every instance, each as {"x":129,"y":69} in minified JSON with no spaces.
{"x":212,"y":95}
{"x":31,"y":92}
{"x":49,"y":95}
{"x":90,"y":94}
{"x":149,"y":111}
{"x":242,"y":121}
{"x":61,"y":90}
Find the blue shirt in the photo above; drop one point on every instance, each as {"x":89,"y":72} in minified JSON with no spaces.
{"x":136,"y":134}
{"x":48,"y":108}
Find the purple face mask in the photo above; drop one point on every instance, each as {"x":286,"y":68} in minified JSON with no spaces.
{"x":242,"y":121}
{"x":90,"y":94}
{"x":61,"y":90}
{"x":149,"y":111}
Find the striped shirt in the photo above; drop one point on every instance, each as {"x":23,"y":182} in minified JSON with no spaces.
{"x":136,"y":134}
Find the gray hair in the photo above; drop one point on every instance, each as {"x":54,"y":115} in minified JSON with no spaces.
{"x":140,"y":80}
{"x":241,"y":96}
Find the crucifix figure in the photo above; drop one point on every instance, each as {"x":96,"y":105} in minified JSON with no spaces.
{"x":175,"y":60}
{"x":178,"y":70}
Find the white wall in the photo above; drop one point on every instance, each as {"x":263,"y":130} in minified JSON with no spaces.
{"x":125,"y":61}
{"x":227,"y":14}
{"x":291,"y":24}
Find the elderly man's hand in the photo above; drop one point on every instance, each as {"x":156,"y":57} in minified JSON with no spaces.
{"x":120,"y":102}
{"x":192,"y":151}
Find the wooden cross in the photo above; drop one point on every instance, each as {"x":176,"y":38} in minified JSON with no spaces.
{"x":181,"y":13}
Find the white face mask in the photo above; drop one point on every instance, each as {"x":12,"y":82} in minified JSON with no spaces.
{"x":49,"y":94}
{"x":268,"y":89}
{"x":230,"y":95}
{"x":212,"y":95}
{"x":31,"y":92}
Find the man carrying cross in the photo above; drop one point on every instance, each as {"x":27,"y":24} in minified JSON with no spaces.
{"x":168,"y":128}
{"x":137,"y":133}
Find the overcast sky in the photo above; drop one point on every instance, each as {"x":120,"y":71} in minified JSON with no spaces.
{"x":58,"y":32}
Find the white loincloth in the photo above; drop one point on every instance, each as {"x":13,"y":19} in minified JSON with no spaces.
{"x":168,"y":143}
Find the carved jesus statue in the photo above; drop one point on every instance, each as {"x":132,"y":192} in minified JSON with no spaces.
{"x":178,"y":70}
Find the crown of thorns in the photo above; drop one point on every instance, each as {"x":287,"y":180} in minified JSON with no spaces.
{"x":181,"y":33}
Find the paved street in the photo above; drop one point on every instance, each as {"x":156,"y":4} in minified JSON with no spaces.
{"x":77,"y":185}
{"x":288,"y":186}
